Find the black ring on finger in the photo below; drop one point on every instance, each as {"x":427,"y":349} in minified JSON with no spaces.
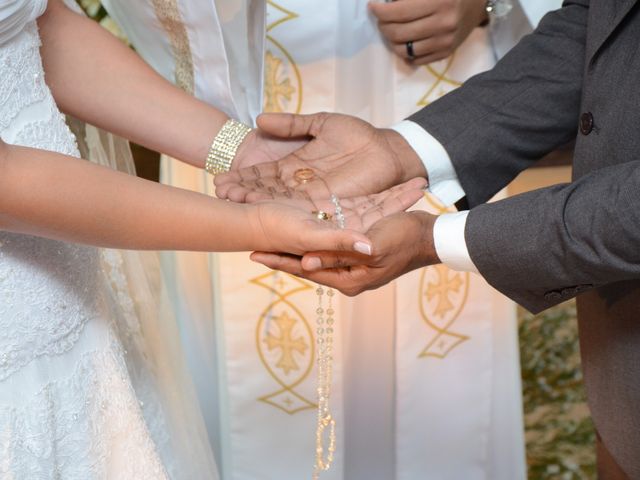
{"x":410,"y":53}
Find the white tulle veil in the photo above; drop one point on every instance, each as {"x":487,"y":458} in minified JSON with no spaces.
{"x":149,"y":331}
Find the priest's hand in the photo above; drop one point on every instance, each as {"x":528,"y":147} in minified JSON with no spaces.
{"x":401,"y":243}
{"x":435,"y":28}
{"x":344,"y":156}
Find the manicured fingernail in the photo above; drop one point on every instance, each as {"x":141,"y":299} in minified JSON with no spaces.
{"x":362,"y":247}
{"x":313,"y":263}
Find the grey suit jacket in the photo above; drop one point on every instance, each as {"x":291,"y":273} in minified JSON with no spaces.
{"x":576,"y":77}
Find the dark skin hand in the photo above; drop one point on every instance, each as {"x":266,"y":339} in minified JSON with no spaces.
{"x":260,"y":147}
{"x":401,"y":243}
{"x":348,"y":157}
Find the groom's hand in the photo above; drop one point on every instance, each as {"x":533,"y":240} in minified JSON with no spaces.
{"x":347,"y":156}
{"x":259,"y":147}
{"x":401,"y":243}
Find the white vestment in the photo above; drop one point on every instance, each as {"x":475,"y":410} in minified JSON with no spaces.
{"x":430,"y":364}
{"x":426,"y":378}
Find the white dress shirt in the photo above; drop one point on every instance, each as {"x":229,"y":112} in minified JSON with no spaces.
{"x":448,"y":230}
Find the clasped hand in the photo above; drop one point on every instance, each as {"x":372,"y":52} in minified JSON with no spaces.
{"x":375,"y":174}
{"x":435,"y":28}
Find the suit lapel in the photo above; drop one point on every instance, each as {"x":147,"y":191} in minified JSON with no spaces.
{"x":605,"y":17}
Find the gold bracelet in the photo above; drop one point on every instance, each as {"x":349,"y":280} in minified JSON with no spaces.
{"x":224,"y":147}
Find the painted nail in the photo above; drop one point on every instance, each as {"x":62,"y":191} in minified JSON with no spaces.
{"x":313,"y":263}
{"x":362,"y":247}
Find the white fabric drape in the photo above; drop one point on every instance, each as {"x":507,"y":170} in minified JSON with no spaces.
{"x":158,"y":351}
{"x":154,"y":354}
{"x":430,"y":372}
{"x":526,"y":14}
{"x":213,"y":36}
{"x":419,"y":391}
{"x":15,"y":14}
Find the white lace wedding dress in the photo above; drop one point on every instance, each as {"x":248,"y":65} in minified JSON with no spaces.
{"x":84,"y":393}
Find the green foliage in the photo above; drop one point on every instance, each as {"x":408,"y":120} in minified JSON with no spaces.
{"x":559,"y":432}
{"x":95,"y":10}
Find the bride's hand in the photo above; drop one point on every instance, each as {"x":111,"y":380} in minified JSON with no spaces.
{"x":259,"y":147}
{"x":293,"y":226}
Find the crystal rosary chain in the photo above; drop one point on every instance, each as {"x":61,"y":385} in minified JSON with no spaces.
{"x":326,"y":427}
{"x":340,"y":219}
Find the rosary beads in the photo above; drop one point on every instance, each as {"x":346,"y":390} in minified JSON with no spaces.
{"x":326,"y":427}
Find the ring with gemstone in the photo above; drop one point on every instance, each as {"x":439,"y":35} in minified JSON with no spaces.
{"x":320,"y":215}
{"x":304,"y":175}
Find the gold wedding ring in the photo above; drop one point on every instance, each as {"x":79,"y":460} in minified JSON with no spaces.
{"x":304,"y":175}
{"x":320,"y":215}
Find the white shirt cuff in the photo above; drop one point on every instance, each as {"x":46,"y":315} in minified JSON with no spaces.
{"x":443,"y":180}
{"x":449,"y":241}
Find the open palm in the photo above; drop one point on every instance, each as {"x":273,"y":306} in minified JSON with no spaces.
{"x":349,"y":157}
{"x":292,"y":226}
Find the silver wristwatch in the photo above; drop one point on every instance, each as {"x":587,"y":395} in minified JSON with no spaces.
{"x":498,"y":8}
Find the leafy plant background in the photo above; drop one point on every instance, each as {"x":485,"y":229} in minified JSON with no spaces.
{"x":95,"y":10}
{"x":558,"y":429}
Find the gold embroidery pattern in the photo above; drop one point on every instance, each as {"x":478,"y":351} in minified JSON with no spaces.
{"x":284,"y":338}
{"x":443,"y":295}
{"x":278,"y":90}
{"x":283,"y":81}
{"x":281,"y":14}
{"x":170,"y":18}
{"x":441,"y":83}
{"x":285,"y":342}
{"x":441,"y":291}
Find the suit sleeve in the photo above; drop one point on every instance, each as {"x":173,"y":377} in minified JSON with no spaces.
{"x":573,"y":237}
{"x":501,"y":121}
